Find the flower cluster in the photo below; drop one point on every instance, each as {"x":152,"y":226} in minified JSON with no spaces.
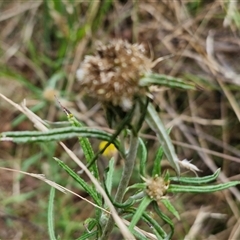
{"x":112,"y":74}
{"x":156,"y":187}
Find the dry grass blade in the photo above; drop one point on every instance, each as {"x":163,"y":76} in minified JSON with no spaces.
{"x":18,"y":10}
{"x":235,"y":231}
{"x":230,"y":98}
{"x":196,"y":228}
{"x":214,"y":66}
{"x":38,"y":176}
{"x":37,"y":121}
{"x":208,"y":151}
{"x":53,"y":184}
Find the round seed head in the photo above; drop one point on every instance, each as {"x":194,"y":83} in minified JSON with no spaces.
{"x":112,"y":74}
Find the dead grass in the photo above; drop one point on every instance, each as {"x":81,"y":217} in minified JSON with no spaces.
{"x":42,"y":45}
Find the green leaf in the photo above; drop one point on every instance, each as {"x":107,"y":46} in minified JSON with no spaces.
{"x":86,"y":146}
{"x":138,"y":214}
{"x":142,"y":154}
{"x":110,"y":176}
{"x":90,"y":224}
{"x":170,"y":207}
{"x":156,"y":124}
{"x":164,"y":80}
{"x":201,"y":189}
{"x":139,"y":235}
{"x":159,"y":232}
{"x":51,"y":214}
{"x":87,"y":235}
{"x":164,"y":218}
{"x":137,"y":186}
{"x":166,"y":176}
{"x":56,"y":135}
{"x":157,"y":162}
{"x":202,"y":82}
{"x":196,"y":180}
{"x":158,"y":159}
{"x":83,"y":184}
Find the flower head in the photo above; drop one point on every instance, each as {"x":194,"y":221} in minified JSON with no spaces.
{"x":156,"y":187}
{"x":112,"y":74}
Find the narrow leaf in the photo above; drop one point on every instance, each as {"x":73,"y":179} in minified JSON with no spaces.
{"x":165,"y":218}
{"x":157,"y":162}
{"x":56,"y":134}
{"x":85,"y":144}
{"x":170,"y":207}
{"x":158,"y":231}
{"x":83,"y":184}
{"x":196,"y":180}
{"x":110,"y":176}
{"x":86,"y":236}
{"x":139,"y":235}
{"x":156,"y":124}
{"x":138,"y":214}
{"x":51,"y":214}
{"x":201,"y":189}
{"x":142,"y":154}
{"x":137,"y":186}
{"x":165,"y":80}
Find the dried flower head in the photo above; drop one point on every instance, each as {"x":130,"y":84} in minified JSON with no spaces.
{"x":156,"y":187}
{"x":112,"y":75}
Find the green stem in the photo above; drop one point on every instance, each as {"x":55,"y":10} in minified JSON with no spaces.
{"x":128,"y":168}
{"x":126,"y":175}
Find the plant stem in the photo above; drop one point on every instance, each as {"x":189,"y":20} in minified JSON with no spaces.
{"x":128,"y":168}
{"x":126,"y":175}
